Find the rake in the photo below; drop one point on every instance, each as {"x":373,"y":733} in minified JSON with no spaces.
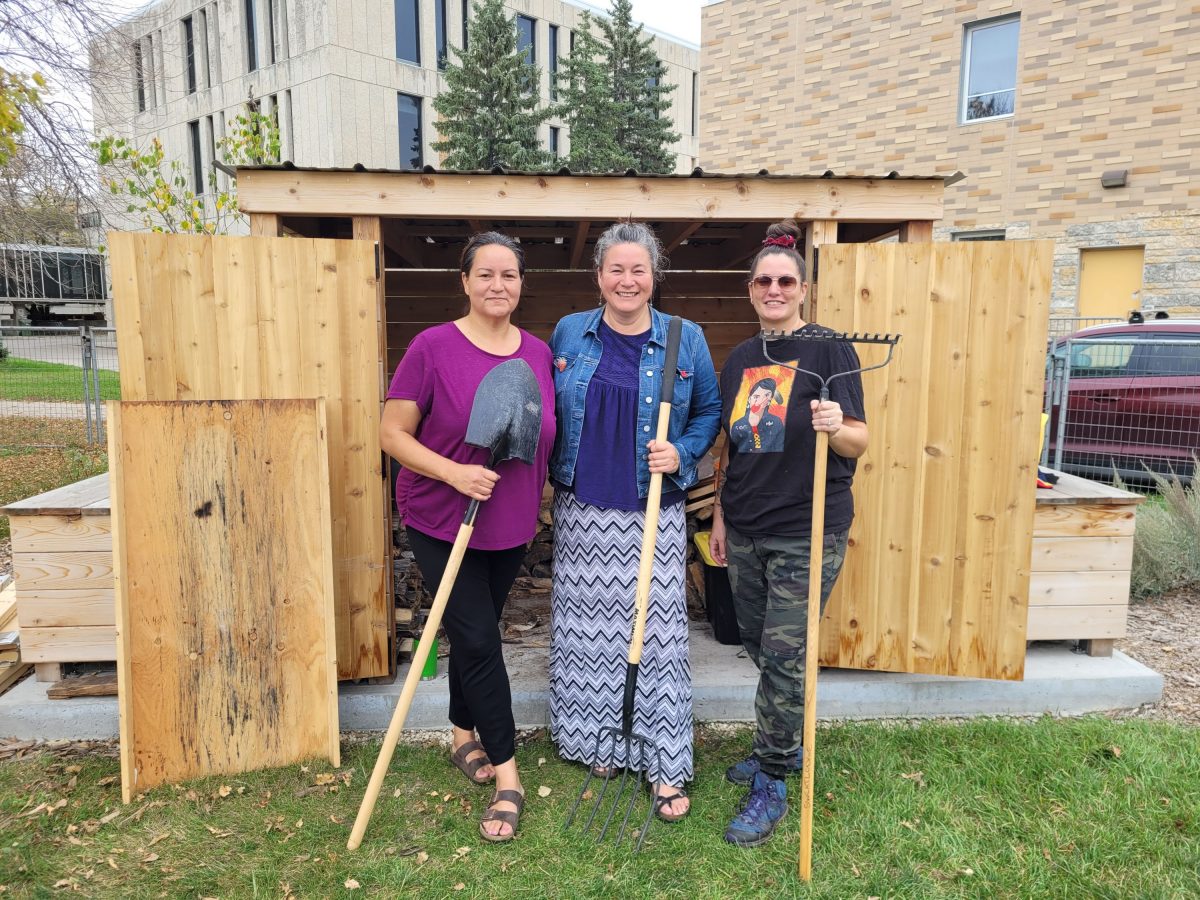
{"x":641,"y":755}
{"x":816,"y":546}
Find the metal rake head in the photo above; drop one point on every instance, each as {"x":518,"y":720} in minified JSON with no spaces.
{"x":890,"y":340}
{"x":625,"y":781}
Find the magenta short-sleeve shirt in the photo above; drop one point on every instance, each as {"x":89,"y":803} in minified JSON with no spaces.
{"x":440,"y":372}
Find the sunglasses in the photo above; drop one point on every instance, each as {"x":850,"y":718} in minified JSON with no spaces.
{"x":786,"y":282}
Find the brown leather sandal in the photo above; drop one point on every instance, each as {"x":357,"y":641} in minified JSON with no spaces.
{"x":508,"y":817}
{"x":471,"y":766}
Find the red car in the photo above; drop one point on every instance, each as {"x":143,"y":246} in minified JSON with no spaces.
{"x":1133,"y":400}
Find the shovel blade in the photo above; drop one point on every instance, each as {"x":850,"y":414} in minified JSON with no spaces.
{"x":506,"y":415}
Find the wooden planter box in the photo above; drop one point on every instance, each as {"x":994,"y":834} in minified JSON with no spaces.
{"x":1081,"y":561}
{"x":62,"y":560}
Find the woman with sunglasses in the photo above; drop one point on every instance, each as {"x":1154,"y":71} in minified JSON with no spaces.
{"x":763,"y":514}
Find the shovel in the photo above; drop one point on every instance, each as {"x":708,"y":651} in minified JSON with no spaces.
{"x":816,"y":548}
{"x":506,"y":420}
{"x":640,"y":750}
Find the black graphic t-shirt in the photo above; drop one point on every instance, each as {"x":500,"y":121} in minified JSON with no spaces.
{"x":767,"y":419}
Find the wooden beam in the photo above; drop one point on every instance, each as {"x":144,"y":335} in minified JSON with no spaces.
{"x":468,"y":196}
{"x":817,"y":233}
{"x":678,"y":234}
{"x":264,"y":224}
{"x":916,"y":232}
{"x":366,"y":228}
{"x":579,"y":243}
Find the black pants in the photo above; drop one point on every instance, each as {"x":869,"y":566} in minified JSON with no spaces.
{"x":480,"y":696}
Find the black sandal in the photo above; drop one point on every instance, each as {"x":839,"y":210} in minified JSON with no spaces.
{"x":507,"y":816}
{"x":665,"y":800}
{"x":471,"y":766}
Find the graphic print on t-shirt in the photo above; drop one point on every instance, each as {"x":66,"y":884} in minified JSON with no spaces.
{"x":760,"y":410}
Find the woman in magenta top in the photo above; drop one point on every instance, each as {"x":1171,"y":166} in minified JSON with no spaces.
{"x":424,"y":426}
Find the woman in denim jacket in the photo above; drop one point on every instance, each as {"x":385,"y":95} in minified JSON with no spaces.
{"x":607,"y":383}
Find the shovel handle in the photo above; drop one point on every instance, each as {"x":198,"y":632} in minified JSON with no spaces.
{"x":812,"y":648}
{"x":420,"y":655}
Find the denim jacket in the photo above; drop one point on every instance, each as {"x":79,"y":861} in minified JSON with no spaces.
{"x":695,"y":408}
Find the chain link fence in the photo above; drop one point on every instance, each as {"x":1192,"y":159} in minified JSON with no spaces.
{"x":1124,"y":405}
{"x":60,"y":374}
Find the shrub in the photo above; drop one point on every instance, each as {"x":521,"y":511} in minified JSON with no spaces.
{"x":1166,"y":546}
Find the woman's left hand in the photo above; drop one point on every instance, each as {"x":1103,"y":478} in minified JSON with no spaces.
{"x":826,"y":416}
{"x":663,"y":457}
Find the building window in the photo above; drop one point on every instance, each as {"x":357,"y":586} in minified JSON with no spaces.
{"x":466,"y":16}
{"x":251,"y":37}
{"x":202,"y":22}
{"x":412,"y":143}
{"x":197,"y":159}
{"x":989,"y":235}
{"x":552,"y":62}
{"x":526,"y":29}
{"x":408,"y":31}
{"x":210,"y":140}
{"x":439,"y":33}
{"x":695,"y":103}
{"x":554,"y":141}
{"x":270,"y":32}
{"x":287,"y":139}
{"x":139,"y":76}
{"x":989,"y":69}
{"x":189,"y":54}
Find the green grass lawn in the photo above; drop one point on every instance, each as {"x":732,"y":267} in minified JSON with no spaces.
{"x":26,"y":379}
{"x":1053,"y":808}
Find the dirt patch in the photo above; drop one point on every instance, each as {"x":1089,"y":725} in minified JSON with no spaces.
{"x":1163,"y":636}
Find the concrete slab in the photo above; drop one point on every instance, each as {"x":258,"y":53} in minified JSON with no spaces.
{"x":1057,"y":681}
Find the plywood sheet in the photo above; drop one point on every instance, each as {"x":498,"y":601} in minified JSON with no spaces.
{"x":937,"y":577}
{"x":223,"y":318}
{"x":224,"y":574}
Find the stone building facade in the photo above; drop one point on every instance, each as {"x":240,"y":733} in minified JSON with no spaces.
{"x":352,"y":82}
{"x":1078,"y":122}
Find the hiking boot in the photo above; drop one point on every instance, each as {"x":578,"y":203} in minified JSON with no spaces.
{"x":762,"y":812}
{"x":744,"y":771}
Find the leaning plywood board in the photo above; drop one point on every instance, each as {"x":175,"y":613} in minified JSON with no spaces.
{"x":224,"y":318}
{"x":937,"y":577}
{"x":224,"y":587}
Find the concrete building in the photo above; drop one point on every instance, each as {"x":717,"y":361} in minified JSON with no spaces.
{"x":352,"y":82}
{"x":1078,"y":122}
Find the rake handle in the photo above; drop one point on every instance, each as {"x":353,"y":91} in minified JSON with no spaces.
{"x":812,"y":648}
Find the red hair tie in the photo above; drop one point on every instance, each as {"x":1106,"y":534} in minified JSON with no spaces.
{"x":784,"y":240}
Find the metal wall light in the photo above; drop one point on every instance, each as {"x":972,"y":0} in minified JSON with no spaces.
{"x":1114,"y":178}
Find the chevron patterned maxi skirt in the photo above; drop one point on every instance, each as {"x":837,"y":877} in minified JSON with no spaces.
{"x":596,"y":555}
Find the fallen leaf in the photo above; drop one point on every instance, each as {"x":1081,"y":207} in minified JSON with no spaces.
{"x":459,"y":886}
{"x":159,"y":838}
{"x":224,"y":790}
{"x":62,"y":883}
{"x":1046,"y":853}
{"x":336,"y":820}
{"x":829,"y":795}
{"x":112,"y":863}
{"x":855,"y":870}
{"x":299,"y":824}
{"x":108,"y":817}
{"x":352,"y":885}
{"x":911,"y":826}
{"x":434,"y":794}
{"x":966,"y":870}
{"x":73,"y":770}
{"x":216,"y":832}
{"x":397,"y":792}
{"x":461,"y":852}
{"x":241,"y":789}
{"x":588,"y":794}
{"x":324,"y":778}
{"x":541,"y":760}
{"x":304,"y":768}
{"x":917,"y":778}
{"x":150,"y":857}
{"x":422,"y":858}
{"x":447,"y":798}
{"x":543,"y":791}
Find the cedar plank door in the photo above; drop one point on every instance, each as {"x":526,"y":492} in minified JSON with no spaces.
{"x":243,"y":318}
{"x":937,"y":576}
{"x":224,"y":587}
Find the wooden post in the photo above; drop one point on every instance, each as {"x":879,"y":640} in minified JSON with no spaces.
{"x":920,"y":232}
{"x":264,"y":224}
{"x":370,"y":228}
{"x":51,"y":671}
{"x":817,"y":232}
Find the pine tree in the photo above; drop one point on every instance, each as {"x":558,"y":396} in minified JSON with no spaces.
{"x":489,"y":114}
{"x":616,"y":100}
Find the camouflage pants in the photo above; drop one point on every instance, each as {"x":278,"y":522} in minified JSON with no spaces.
{"x":769,"y":577}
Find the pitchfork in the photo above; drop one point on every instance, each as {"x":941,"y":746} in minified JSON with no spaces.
{"x":817,"y":542}
{"x":641,"y":755}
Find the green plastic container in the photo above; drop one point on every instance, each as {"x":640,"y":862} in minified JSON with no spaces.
{"x":430,"y":670}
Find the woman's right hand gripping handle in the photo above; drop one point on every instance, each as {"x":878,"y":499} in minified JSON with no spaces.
{"x":476,"y":482}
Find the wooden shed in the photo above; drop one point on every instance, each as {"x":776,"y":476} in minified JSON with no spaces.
{"x":939,"y":578}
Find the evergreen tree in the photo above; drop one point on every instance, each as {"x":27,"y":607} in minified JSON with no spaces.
{"x":489,"y":115}
{"x":616,"y":99}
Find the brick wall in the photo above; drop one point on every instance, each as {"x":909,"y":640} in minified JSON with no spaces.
{"x":874,"y":85}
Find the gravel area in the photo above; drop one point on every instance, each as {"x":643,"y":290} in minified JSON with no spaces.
{"x":1163,"y":635}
